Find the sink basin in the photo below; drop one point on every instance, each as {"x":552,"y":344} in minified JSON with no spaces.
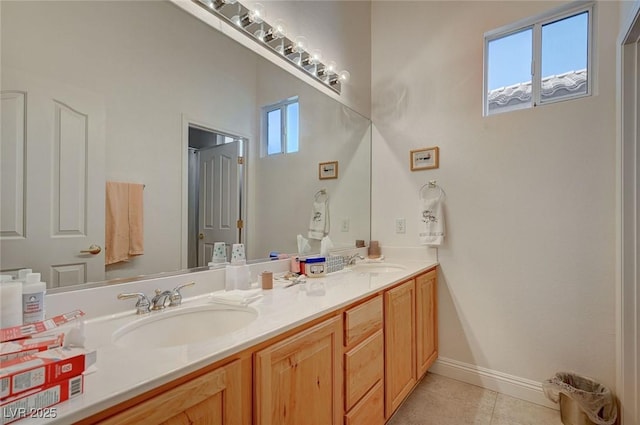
{"x":377,"y":268}
{"x":183,"y":326}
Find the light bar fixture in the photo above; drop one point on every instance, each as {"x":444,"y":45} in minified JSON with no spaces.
{"x":252,"y":23}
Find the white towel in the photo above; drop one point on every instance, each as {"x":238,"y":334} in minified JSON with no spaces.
{"x":236,"y":297}
{"x":431,"y":226}
{"x":319,"y":223}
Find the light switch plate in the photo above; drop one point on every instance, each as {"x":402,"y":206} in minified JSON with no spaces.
{"x":344,"y":225}
{"x":401,"y":225}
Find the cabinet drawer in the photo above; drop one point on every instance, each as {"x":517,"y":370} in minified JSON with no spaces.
{"x":364,"y":366}
{"x":362,"y":320}
{"x":370,"y":410}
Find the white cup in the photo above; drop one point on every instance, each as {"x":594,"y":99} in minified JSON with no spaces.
{"x":219,"y":252}
{"x":237,"y":253}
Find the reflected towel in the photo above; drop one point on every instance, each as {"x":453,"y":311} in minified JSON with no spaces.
{"x":124,"y":226}
{"x":136,"y":219}
{"x":236,"y":297}
{"x":319,"y":222}
{"x":431,"y":225}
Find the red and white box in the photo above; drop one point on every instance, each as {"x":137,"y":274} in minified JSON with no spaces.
{"x":43,"y":368}
{"x":25,"y":331}
{"x":37,"y":403}
{"x":23,"y":347}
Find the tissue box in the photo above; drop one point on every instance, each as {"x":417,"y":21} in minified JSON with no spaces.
{"x":236,"y":277}
{"x":335,"y":263}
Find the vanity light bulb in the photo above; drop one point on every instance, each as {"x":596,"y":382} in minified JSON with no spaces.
{"x":257,"y":13}
{"x":300,"y":44}
{"x":279,"y":28}
{"x":316,"y":56}
{"x":330,"y":68}
{"x":344,"y":76}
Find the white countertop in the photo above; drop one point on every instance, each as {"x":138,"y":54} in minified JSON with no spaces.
{"x":123,"y":373}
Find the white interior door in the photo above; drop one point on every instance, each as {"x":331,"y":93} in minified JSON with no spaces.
{"x":629,"y":368}
{"x":52,"y":190}
{"x":219,"y":199}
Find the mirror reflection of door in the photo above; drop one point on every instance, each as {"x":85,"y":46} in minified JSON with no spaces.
{"x":53,"y":190}
{"x":215,"y":184}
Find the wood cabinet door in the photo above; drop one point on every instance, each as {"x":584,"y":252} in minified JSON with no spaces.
{"x":364,"y":367}
{"x":399,"y":344}
{"x":426,"y":321}
{"x":211,"y":399}
{"x":298,"y":380}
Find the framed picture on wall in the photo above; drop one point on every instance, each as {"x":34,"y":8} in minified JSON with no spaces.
{"x":328,"y":170}
{"x":424,"y":159}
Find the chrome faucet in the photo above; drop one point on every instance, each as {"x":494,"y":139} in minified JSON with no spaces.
{"x":142,"y":306}
{"x":176,"y":296}
{"x":351,"y":260}
{"x":160,"y":300}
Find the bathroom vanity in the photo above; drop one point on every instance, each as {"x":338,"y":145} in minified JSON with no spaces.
{"x":347,"y":348}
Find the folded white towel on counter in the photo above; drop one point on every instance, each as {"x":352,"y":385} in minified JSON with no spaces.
{"x":236,"y":297}
{"x":431,"y":225}
{"x":319,"y":223}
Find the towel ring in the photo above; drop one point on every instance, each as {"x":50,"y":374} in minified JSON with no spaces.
{"x":429,"y":186}
{"x":320,"y":193}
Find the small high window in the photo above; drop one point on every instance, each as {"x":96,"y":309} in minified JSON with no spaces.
{"x":539,"y":60}
{"x":280,"y":123}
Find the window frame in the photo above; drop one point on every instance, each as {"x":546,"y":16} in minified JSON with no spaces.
{"x":535,"y":23}
{"x":284,"y":117}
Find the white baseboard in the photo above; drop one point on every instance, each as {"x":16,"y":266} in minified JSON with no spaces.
{"x":513,"y":386}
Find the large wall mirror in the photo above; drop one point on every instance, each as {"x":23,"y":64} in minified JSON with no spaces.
{"x":132,"y":92}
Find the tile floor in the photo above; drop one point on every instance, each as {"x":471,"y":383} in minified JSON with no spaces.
{"x":438,"y":400}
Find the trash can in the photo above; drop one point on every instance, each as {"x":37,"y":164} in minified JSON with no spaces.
{"x":582,"y":400}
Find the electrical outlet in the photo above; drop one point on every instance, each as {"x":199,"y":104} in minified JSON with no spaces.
{"x":344,"y":225}
{"x":401,"y":225}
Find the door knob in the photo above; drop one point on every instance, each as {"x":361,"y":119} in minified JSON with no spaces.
{"x":201,"y":236}
{"x":93,"y":250}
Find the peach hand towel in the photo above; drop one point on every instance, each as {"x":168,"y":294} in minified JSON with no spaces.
{"x":136,"y":219}
{"x":124,"y":226}
{"x":117,"y":223}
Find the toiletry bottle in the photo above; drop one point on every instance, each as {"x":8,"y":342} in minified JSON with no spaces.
{"x":33,"y":291}
{"x":10,"y":302}
{"x":295,"y":264}
{"x":22,"y":274}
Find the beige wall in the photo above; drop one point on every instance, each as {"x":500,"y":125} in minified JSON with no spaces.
{"x":342,"y":30}
{"x":527,"y":282}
